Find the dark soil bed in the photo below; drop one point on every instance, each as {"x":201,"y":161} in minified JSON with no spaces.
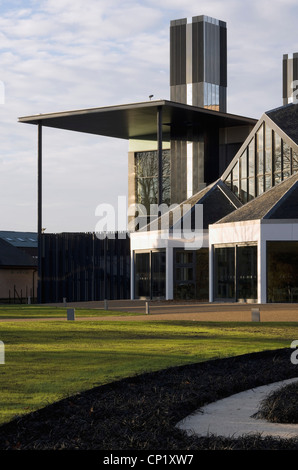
{"x":140,"y":413}
{"x":281,"y":406}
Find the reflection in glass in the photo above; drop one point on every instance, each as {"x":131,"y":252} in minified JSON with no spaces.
{"x":282,"y":259}
{"x":268,"y":182}
{"x":243,"y":165}
{"x":277,"y":152}
{"x":295,"y":161}
{"x":268,"y":149}
{"x":235,"y":179}
{"x":246,"y":272}
{"x":224,"y":266}
{"x":260,"y":185}
{"x":142,"y":275}
{"x":146,"y":168}
{"x":158,"y":273}
{"x":251,"y":188}
{"x":286,"y":152}
{"x":260,"y":151}
{"x":150,"y":274}
{"x":251,"y":159}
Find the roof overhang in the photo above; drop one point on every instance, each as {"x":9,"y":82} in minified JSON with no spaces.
{"x":137,"y":120}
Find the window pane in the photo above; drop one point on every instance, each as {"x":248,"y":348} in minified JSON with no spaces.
{"x":295,"y":161}
{"x":243,"y":165}
{"x":260,"y":185}
{"x":251,"y":188}
{"x":282,"y":258}
{"x":158,"y":275}
{"x":277,"y":153}
{"x":251,"y":159}
{"x":268,"y":150}
{"x":142,"y":275}
{"x":268,"y":182}
{"x":260,"y":151}
{"x":247,"y":272}
{"x":235,"y":179}
{"x":286,"y":158}
{"x":228,"y":180}
{"x":224,"y":281}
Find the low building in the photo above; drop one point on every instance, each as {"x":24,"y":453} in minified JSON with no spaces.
{"x":18,"y":271}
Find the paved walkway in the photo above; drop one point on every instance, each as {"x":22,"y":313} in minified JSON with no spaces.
{"x":193,"y":311}
{"x":233,"y":416}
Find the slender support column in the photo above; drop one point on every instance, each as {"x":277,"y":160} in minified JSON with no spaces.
{"x":39,"y":211}
{"x":159,"y":152}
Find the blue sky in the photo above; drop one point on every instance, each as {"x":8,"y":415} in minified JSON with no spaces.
{"x":73,"y":54}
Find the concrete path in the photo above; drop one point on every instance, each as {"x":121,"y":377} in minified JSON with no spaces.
{"x":232,"y":416}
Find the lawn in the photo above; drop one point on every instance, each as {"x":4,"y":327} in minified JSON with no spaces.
{"x":45,"y":361}
{"x":36,"y":311}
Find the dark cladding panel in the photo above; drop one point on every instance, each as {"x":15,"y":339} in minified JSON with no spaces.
{"x":295,"y":67}
{"x":223,"y":56}
{"x":285,"y":77}
{"x":178,"y":53}
{"x":198,"y":52}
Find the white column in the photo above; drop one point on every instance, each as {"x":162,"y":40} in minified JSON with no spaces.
{"x":262,"y":270}
{"x":132,"y":276}
{"x":211,"y":280}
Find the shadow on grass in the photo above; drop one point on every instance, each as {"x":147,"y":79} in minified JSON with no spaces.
{"x":140,"y":413}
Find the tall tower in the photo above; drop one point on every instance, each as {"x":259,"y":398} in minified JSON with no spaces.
{"x":289,"y":75}
{"x":198,"y":62}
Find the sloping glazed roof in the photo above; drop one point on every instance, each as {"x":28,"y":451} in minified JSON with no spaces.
{"x":279,"y":202}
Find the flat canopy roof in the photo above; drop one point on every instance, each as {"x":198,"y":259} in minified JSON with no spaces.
{"x":129,"y":121}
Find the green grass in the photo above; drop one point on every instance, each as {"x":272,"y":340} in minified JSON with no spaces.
{"x":45,"y":361}
{"x":36,"y":311}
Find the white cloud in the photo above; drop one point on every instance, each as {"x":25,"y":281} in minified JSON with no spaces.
{"x":74,"y":54}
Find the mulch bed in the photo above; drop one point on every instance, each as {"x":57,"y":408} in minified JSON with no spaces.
{"x":140,"y":413}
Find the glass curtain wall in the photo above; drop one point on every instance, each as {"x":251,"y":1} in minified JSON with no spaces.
{"x":191,"y":274}
{"x":146,"y":171}
{"x":235,"y":273}
{"x":282,"y":272}
{"x":266,"y":161}
{"x":150,"y":274}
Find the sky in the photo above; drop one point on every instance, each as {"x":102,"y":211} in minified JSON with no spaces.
{"x":73,"y":54}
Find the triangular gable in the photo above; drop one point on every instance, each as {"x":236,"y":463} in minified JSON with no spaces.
{"x":268,"y":156}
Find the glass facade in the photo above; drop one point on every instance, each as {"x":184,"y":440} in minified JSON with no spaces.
{"x":146,"y":173}
{"x":211,"y":96}
{"x":191,"y":274}
{"x":235,"y":273}
{"x":282,"y":273}
{"x":150,"y":274}
{"x":266,"y":161}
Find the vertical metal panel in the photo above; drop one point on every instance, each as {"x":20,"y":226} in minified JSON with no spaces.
{"x":68,"y":267}
{"x":285,"y":77}
{"x":39,"y":213}
{"x":223,"y":57}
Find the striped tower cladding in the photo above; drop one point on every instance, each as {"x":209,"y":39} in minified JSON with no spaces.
{"x":198,"y":62}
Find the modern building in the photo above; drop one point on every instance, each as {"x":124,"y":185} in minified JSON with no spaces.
{"x":198,"y":62}
{"x":18,"y":266}
{"x":213,"y":199}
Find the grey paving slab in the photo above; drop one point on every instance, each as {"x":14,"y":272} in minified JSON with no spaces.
{"x":233,"y":416}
